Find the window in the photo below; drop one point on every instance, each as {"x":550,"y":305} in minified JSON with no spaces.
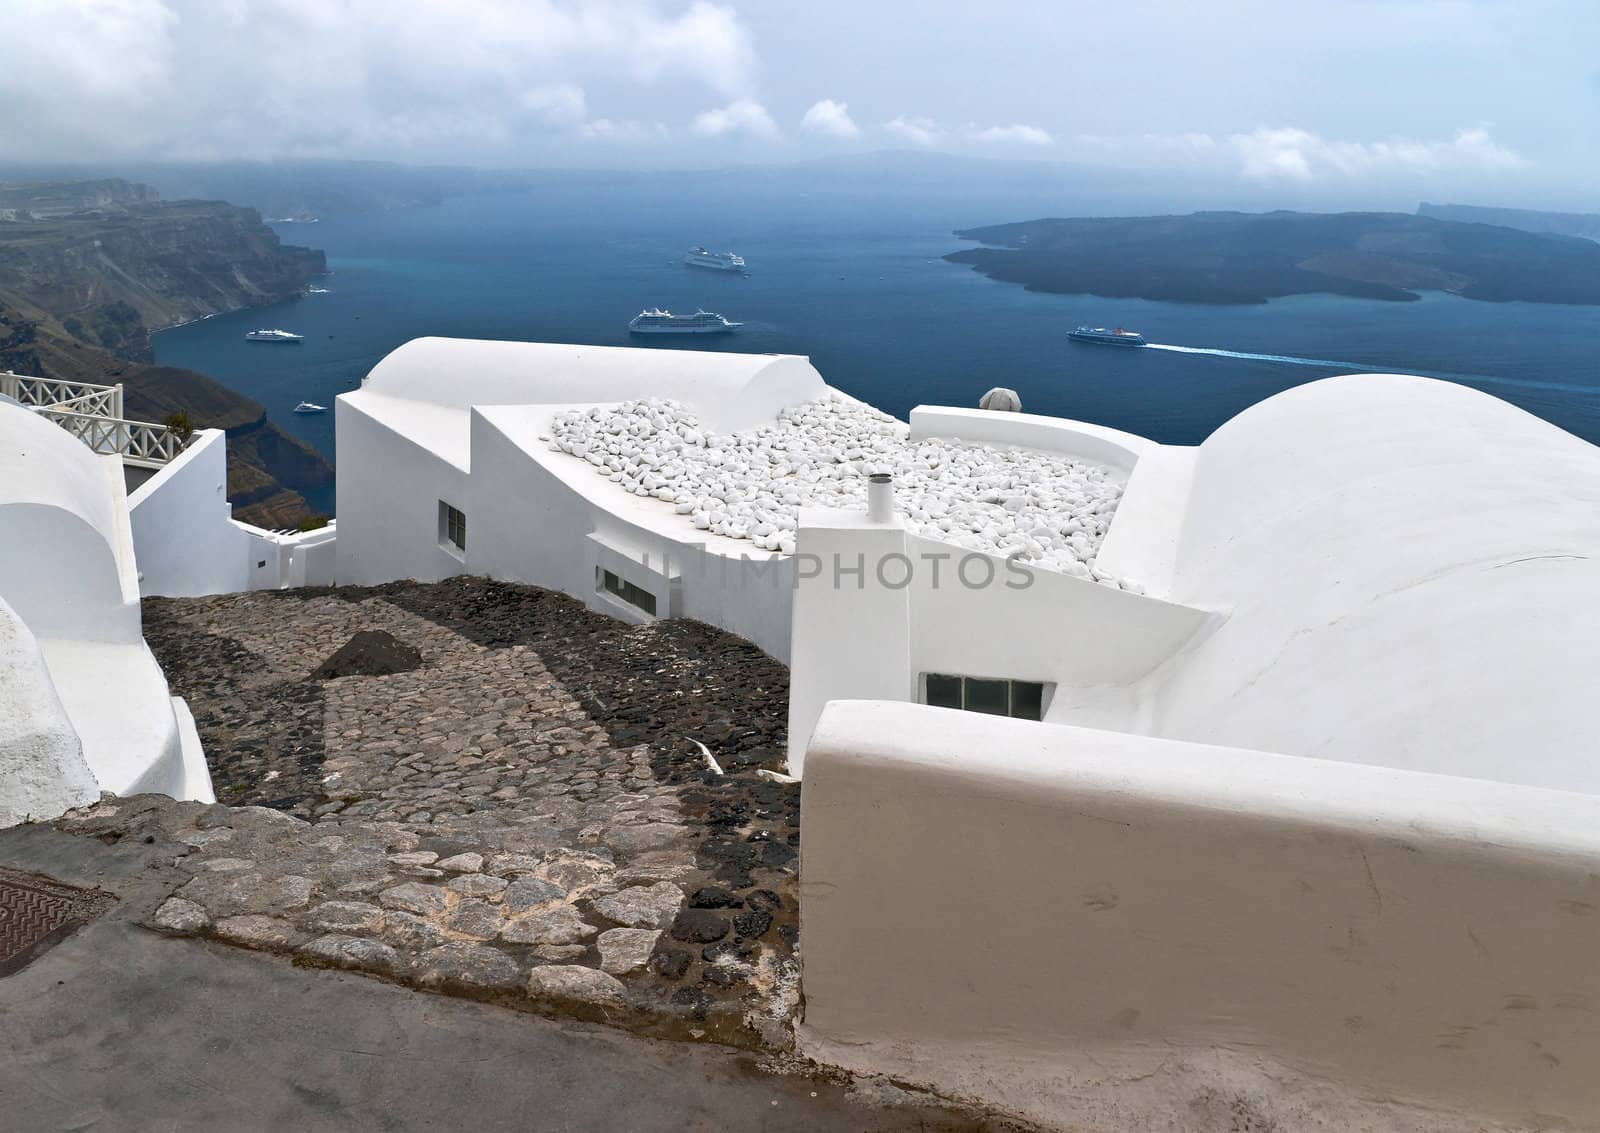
{"x":628,"y":592}
{"x":1023,"y":700}
{"x":452,"y":527}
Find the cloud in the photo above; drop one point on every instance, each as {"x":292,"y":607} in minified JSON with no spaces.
{"x":435,"y":79}
{"x":742,"y":116}
{"x":830,"y":118}
{"x":917,"y":131}
{"x":1016,"y":135}
{"x":625,"y":130}
{"x":1292,"y":154}
{"x":1299,"y":155}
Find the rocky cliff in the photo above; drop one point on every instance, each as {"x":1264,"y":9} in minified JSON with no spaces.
{"x":89,"y":269}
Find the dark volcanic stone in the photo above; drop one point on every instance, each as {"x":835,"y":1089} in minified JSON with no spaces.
{"x":711,"y":897}
{"x":738,"y":949}
{"x":699,"y":926}
{"x":721,"y":976}
{"x":753,"y":923}
{"x":765,"y":899}
{"x":670,"y":962}
{"x":370,"y":653}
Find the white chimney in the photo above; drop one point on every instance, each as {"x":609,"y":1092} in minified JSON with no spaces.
{"x":880,"y":497}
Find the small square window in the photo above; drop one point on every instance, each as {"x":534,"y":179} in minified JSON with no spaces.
{"x":943,"y":691}
{"x":988,"y":696}
{"x":1027,"y":700}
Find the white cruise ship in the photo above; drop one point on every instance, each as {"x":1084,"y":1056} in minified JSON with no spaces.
{"x":653,"y":320}
{"x":698,"y":257}
{"x":273,"y":336}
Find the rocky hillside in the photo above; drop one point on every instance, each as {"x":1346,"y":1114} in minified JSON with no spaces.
{"x":89,"y":269}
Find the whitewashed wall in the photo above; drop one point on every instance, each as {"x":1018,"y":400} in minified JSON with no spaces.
{"x":183,"y":535}
{"x":876,"y":607}
{"x":388,"y":493}
{"x":42,"y":769}
{"x":547,"y":519}
{"x":1133,"y":933}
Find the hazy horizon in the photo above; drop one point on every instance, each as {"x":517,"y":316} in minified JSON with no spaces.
{"x":1319,"y":102}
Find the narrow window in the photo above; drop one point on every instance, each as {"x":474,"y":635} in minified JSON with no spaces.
{"x":452,"y":527}
{"x":628,"y":592}
{"x":1022,"y":700}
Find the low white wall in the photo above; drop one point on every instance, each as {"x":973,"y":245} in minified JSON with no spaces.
{"x":1078,"y":440}
{"x":388,"y":493}
{"x":1118,"y":932}
{"x":183,"y":535}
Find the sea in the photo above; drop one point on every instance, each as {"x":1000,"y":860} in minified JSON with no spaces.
{"x":856,"y":281}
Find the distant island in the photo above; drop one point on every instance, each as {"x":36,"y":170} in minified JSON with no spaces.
{"x":1231,"y":257}
{"x":1585,"y":224}
{"x":88,"y":269}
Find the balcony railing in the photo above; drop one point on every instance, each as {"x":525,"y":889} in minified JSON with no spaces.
{"x":93,"y":414}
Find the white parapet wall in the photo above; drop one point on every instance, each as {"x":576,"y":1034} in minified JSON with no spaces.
{"x":188,"y":543}
{"x":1112,"y":932}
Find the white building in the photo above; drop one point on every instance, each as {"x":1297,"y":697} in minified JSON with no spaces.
{"x":83,"y":704}
{"x":1309,"y":827}
{"x":445,"y":468}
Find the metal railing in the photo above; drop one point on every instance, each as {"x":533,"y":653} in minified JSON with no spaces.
{"x":93,"y":414}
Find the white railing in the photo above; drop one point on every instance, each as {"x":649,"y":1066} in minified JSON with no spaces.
{"x":137,"y":442}
{"x":93,"y":414}
{"x":81,"y":397}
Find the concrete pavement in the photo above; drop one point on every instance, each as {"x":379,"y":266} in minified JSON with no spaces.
{"x":119,"y":1028}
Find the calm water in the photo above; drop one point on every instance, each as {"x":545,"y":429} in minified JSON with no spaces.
{"x":856,"y":283}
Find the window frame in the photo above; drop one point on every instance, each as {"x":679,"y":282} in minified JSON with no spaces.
{"x":452,"y":529}
{"x":1045,"y":690}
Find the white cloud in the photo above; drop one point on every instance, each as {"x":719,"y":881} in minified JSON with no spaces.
{"x":1292,"y":154}
{"x":830,"y":118}
{"x":563,"y":105}
{"x":1299,"y":155}
{"x":1015,"y":135}
{"x":433,"y":79}
{"x":625,"y":130}
{"x":742,"y":116}
{"x":917,"y":131}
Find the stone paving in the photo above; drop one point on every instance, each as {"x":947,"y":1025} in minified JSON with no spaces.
{"x":507,"y":798}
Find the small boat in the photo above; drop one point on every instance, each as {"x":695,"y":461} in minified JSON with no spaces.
{"x":273,"y":336}
{"x":654,"y":320}
{"x":698,"y":257}
{"x":1113,"y":337}
{"x":310,"y":407}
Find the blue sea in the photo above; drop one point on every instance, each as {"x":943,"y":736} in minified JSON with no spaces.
{"x":855,"y":281}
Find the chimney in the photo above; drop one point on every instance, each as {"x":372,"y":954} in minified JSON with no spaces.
{"x":880,"y":497}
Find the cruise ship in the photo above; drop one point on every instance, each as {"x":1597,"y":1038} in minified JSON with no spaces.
{"x":698,"y":257}
{"x":1114,"y":337}
{"x":273,"y":336}
{"x":653,"y":320}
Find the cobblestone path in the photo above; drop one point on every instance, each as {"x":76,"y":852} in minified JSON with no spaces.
{"x":527,"y":815}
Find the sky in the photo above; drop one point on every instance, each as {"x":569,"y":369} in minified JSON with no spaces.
{"x":1488,"y":100}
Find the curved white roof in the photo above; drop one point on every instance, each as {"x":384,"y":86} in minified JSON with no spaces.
{"x":729,"y":391}
{"x":41,"y":463}
{"x":1411,"y":569}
